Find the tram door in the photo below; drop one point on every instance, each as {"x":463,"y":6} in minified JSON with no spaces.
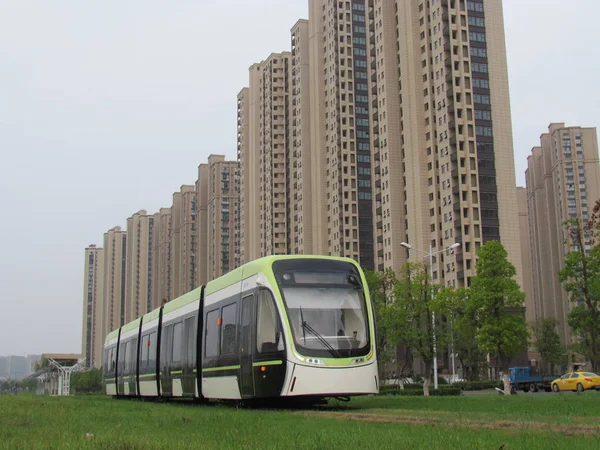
{"x":246,"y":345}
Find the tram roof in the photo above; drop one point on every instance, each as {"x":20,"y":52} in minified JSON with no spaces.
{"x":235,"y":276}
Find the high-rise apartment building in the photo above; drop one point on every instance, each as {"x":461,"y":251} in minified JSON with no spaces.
{"x":92,"y":335}
{"x":248,"y":192}
{"x":263,"y":157}
{"x":248,"y":158}
{"x":115,"y":251}
{"x":399,"y":129}
{"x":188,"y":239}
{"x":183,"y":241}
{"x":202,"y":217}
{"x":306,"y":165}
{"x":273,"y":149}
{"x":161,"y":276}
{"x":526,"y":254}
{"x":139,"y":265}
{"x":217,"y":217}
{"x":340,"y":124}
{"x":444,"y":133}
{"x":389,"y":156}
{"x":563,"y":182}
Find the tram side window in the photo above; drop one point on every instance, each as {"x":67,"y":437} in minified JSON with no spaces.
{"x":268,"y":334}
{"x":152,"y":349}
{"x":133,"y":355}
{"x":144,"y":348}
{"x":190,"y":339}
{"x":129,"y":361}
{"x":166,"y":345}
{"x":177,"y":331}
{"x":211,"y":335}
{"x":228,"y":329}
{"x":112,"y":358}
{"x":122,"y":357}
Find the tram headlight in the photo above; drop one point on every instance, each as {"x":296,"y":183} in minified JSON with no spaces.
{"x":357,"y":361}
{"x":316,"y":361}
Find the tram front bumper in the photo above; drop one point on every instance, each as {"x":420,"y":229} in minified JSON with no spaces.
{"x":331,"y":381}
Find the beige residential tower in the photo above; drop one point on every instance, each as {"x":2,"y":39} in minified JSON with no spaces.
{"x":115,"y":251}
{"x":563,"y":182}
{"x":93,"y":292}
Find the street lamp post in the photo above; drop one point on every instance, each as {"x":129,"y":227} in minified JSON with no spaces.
{"x":430,"y":256}
{"x":452,"y":349}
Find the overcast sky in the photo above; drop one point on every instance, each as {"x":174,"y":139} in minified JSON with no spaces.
{"x":107,"y":107}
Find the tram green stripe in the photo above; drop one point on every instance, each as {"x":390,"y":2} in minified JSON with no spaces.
{"x":214,"y":369}
{"x":176,"y":372}
{"x":267,"y":363}
{"x":146,"y":375}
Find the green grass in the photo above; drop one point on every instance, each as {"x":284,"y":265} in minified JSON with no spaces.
{"x":28,"y":422}
{"x":580,"y":408}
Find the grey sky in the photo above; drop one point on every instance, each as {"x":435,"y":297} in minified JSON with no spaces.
{"x":107,"y":107}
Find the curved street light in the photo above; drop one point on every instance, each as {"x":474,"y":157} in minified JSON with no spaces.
{"x":430,"y":256}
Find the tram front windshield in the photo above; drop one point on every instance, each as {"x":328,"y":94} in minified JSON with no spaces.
{"x":327,"y":312}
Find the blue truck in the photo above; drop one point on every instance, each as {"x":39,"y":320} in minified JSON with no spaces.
{"x":527,"y":379}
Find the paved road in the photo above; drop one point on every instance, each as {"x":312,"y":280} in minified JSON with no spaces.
{"x":535,"y":394}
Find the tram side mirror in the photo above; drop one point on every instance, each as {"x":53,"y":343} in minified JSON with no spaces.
{"x":261,"y":280}
{"x":353,"y":280}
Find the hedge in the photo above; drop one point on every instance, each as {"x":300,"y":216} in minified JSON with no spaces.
{"x":462,"y":386}
{"x":476,"y":385}
{"x":441,"y":391}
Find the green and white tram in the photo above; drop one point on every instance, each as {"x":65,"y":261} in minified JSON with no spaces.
{"x":280,"y":326}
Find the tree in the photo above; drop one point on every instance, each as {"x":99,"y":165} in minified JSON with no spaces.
{"x":494,"y":300}
{"x":382,"y":290}
{"x":463,"y":331}
{"x":412,"y":315}
{"x":29,"y":384}
{"x":547,"y":342}
{"x":581,"y":278}
{"x":87,"y":382}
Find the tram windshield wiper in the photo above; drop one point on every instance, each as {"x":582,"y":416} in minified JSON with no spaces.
{"x":321,"y":339}
{"x":303,"y":322}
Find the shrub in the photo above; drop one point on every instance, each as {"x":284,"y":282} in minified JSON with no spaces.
{"x":413,"y":389}
{"x":88,"y":382}
{"x":446,"y":391}
{"x":476,"y":385}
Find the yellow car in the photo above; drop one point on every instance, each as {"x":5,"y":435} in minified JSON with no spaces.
{"x":576,"y":381}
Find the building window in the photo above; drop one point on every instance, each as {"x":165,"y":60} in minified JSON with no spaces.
{"x":477,"y":37}
{"x":481,"y":83}
{"x":476,"y":21}
{"x":483,"y":131}
{"x":483,"y":99}
{"x":474,"y":6}
{"x":477,"y":67}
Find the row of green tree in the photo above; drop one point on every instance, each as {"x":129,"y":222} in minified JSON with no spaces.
{"x":486,"y":318}
{"x":87,"y":382}
{"x":14,"y":386}
{"x":580,"y":276}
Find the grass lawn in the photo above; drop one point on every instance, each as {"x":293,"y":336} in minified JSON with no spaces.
{"x":529,"y":408}
{"x":98,"y":422}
